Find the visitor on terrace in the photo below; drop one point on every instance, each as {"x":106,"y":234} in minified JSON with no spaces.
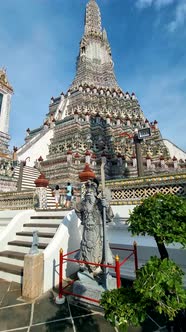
{"x":69,"y":194}
{"x":56,"y":193}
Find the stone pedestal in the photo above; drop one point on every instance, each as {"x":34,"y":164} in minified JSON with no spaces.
{"x":89,"y":287}
{"x":33,"y":276}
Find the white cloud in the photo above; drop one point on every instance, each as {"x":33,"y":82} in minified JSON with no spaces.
{"x":161,"y":3}
{"x":180,"y":16}
{"x":156,"y":3}
{"x":144,"y":3}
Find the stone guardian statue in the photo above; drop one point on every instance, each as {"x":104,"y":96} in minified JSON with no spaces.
{"x":90,"y":212}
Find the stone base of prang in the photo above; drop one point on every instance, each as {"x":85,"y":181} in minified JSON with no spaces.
{"x":89,"y":287}
{"x":33,"y":276}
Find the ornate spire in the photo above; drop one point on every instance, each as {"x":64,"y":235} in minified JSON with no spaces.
{"x":94,"y":64}
{"x":4,"y":80}
{"x":92,"y":18}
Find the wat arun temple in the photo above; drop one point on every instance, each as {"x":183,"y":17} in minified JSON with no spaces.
{"x":95,"y":120}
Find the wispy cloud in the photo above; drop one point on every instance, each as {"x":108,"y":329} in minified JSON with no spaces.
{"x":156,"y":3}
{"x":180,"y":16}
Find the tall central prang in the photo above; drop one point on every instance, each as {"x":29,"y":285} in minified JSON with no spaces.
{"x":95,"y":65}
{"x":95,"y":119}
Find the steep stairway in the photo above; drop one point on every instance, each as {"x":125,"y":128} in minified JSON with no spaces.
{"x":29,"y":175}
{"x":12,"y":257}
{"x":50,"y":199}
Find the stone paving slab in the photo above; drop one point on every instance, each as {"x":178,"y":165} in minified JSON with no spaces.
{"x":15,"y":317}
{"x":43,"y":315}
{"x":61,"y":326}
{"x":45,"y":309}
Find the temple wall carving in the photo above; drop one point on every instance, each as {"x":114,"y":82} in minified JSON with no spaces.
{"x":17,"y":201}
{"x":133,"y":191}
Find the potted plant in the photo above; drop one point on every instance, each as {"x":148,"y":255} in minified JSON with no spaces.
{"x":124,"y":308}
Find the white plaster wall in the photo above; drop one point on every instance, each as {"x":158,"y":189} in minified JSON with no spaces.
{"x":175,"y":150}
{"x":6,"y":217}
{"x":5,"y":111}
{"x":96,"y":51}
{"x":64,"y":108}
{"x":15,"y":225}
{"x":119,"y":235}
{"x":40,"y":148}
{"x":60,"y":107}
{"x":122,"y":211}
{"x":67,"y":237}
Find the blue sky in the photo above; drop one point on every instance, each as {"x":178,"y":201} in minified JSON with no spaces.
{"x":40,"y":41}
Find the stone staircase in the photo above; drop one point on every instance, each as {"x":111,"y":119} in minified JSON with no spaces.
{"x":29,"y":175}
{"x":12,"y":257}
{"x":50,"y":200}
{"x":27,"y":178}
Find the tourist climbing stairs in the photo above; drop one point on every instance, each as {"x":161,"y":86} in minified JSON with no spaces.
{"x":12,"y":257}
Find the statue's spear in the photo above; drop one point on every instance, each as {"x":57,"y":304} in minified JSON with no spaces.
{"x":105,"y":258}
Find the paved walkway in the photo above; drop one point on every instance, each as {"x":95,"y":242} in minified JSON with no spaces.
{"x":43,"y":315}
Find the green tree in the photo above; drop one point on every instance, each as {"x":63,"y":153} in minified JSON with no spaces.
{"x":159,"y":282}
{"x":163,"y":217}
{"x":158,"y":287}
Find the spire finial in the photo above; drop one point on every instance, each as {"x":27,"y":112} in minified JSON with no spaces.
{"x":92,"y":18}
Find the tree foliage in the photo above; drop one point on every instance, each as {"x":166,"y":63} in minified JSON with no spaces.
{"x":158,"y":287}
{"x":161,"y":216}
{"x":160,"y":284}
{"x":123,"y":307}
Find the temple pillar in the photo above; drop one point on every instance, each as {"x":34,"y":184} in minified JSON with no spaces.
{"x":87,"y":157}
{"x":148,"y":159}
{"x":118,"y":121}
{"x":108,"y":119}
{"x":156,"y":124}
{"x":134,"y":161}
{"x":175,"y":162}
{"x":69,"y":157}
{"x":162,"y":161}
{"x":41,"y":191}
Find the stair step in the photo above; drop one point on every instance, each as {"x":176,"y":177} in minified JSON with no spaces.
{"x":41,"y":229}
{"x":47,"y":217}
{"x":12,"y":254}
{"x":14,"y":269}
{"x":41,"y":225}
{"x":40,"y":234}
{"x":26,"y":244}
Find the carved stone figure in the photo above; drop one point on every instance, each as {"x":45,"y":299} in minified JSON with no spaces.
{"x":90,"y":211}
{"x":35,"y":243}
